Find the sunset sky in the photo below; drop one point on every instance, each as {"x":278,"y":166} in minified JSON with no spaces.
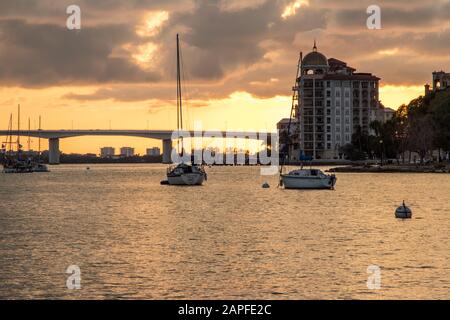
{"x":240,"y":59}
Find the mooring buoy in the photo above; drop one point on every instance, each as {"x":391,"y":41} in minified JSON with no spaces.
{"x":403,"y":212}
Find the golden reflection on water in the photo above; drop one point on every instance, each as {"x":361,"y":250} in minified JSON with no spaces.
{"x":229,"y":239}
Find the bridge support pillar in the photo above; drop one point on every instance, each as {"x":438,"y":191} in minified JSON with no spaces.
{"x":53,"y":151}
{"x":167,"y":151}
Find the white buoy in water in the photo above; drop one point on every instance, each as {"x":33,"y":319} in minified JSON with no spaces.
{"x":265,"y":185}
{"x":403,"y":212}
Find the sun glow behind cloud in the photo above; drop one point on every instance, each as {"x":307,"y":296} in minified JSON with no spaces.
{"x":292,"y":8}
{"x":145,"y":54}
{"x":388,"y":52}
{"x":152,"y":23}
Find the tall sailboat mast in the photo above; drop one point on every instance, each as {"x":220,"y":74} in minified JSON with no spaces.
{"x":19,"y":147}
{"x":9,"y":138}
{"x":39,"y":137}
{"x":179,"y":95}
{"x":293,"y":114}
{"x":29,"y":137}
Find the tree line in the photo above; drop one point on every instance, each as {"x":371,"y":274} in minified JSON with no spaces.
{"x":420,"y":127}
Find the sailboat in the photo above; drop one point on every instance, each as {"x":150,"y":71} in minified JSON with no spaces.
{"x":302,"y":178}
{"x":188,"y":174}
{"x":12,"y":161}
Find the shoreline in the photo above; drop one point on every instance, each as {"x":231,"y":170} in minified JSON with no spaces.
{"x":392,"y":169}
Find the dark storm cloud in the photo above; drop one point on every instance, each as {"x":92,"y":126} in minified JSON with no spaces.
{"x":409,"y":16}
{"x":220,"y":41}
{"x":41,"y":55}
{"x":46,"y":7}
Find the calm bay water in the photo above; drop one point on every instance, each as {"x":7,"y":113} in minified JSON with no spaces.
{"x":231,"y":239}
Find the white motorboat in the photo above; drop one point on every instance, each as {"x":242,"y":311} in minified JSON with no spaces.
{"x":185,"y":174}
{"x":307,"y":179}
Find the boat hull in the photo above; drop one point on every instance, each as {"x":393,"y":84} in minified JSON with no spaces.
{"x":41,"y":168}
{"x":186,"y":179}
{"x":8,"y":169}
{"x":298,"y":182}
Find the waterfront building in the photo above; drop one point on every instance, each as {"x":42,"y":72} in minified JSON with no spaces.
{"x":333,"y":102}
{"x":154,"y":152}
{"x":382,"y":114}
{"x":107,"y":152}
{"x":126,"y":152}
{"x":294,"y":131}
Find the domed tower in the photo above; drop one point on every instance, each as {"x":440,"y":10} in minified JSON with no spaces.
{"x":311,"y":101}
{"x":314,"y":62}
{"x":333,"y":101}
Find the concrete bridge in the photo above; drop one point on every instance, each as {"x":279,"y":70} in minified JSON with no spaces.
{"x":53,"y":137}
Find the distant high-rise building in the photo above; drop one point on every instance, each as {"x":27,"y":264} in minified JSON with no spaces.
{"x":333,"y":101}
{"x":154,"y":152}
{"x":126,"y":152}
{"x":107,"y":152}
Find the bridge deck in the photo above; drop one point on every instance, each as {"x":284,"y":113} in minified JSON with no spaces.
{"x":153,"y":134}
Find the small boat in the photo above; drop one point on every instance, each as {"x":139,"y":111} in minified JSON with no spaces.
{"x":11,"y":160}
{"x":307,"y":179}
{"x":17,"y":166}
{"x":186,"y":174}
{"x":40,"y":167}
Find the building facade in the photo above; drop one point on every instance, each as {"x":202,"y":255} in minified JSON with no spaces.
{"x":154,"y":152}
{"x":284,"y":131}
{"x":126,"y":152}
{"x":333,"y":101}
{"x":441,"y":81}
{"x":382,"y":114}
{"x":107,"y":152}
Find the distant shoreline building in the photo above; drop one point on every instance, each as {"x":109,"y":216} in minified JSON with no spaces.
{"x":153,"y":152}
{"x":126,"y":152}
{"x":107,"y":152}
{"x":333,"y":102}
